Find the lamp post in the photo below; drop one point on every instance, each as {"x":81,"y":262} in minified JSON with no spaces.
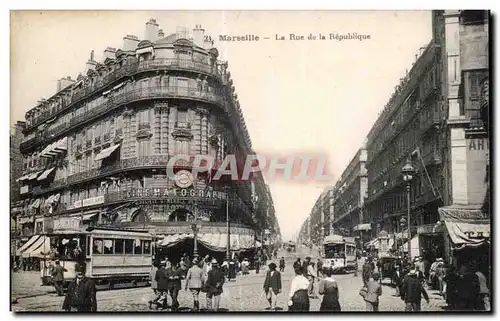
{"x":408,"y":171}
{"x":402,"y":223}
{"x":255,"y":200}
{"x":228,"y":246}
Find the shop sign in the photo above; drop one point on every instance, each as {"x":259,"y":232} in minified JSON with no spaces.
{"x":175,"y":192}
{"x":89,"y":201}
{"x":67,"y":223}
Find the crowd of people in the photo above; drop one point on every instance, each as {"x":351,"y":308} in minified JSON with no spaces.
{"x":464,"y":289}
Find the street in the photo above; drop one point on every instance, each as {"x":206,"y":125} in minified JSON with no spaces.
{"x":244,"y":294}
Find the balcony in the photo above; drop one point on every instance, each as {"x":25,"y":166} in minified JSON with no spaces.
{"x":182,"y":125}
{"x":128,"y":70}
{"x":107,"y":137}
{"x":88,"y":143}
{"x":144,"y":126}
{"x":97,"y":140}
{"x":156,"y":92}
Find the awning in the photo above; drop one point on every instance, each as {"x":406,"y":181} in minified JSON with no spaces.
{"x":39,"y":249}
{"x":53,"y":199}
{"x":22,"y":178}
{"x":88,"y":216}
{"x":363,"y":227}
{"x":27,"y":244}
{"x":215,"y":242}
{"x":467,"y":226}
{"x":33,"y":175}
{"x":61,"y":145}
{"x":372,"y":243}
{"x":36,"y":203}
{"x":106,"y":152}
{"x":333,"y":239}
{"x":49,"y":200}
{"x":46,"y":174}
{"x":415,"y":246}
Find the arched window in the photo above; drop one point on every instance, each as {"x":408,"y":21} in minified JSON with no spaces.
{"x":140,"y":216}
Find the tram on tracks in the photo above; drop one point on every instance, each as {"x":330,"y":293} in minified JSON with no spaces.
{"x":113,"y":258}
{"x":339,"y":253}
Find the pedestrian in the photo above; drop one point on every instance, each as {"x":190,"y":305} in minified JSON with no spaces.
{"x":282,"y":264}
{"x":174,"y":276}
{"x":81,"y":294}
{"x":319,"y":268}
{"x":452,"y":279}
{"x":329,"y":289}
{"x":162,"y":287}
{"x":298,"y":298}
{"x":373,"y":292}
{"x":367,"y":271}
{"x":232,"y":270}
{"x":58,"y":278}
{"x":311,"y":276}
{"x":152,"y":278}
{"x":244,"y":267}
{"x":183,"y":266}
{"x":257,"y":264}
{"x":397,"y":279}
{"x":297,"y":263}
{"x":214,"y":283}
{"x":272,"y":285}
{"x":194,"y":281}
{"x":484,"y":292}
{"x":412,"y":291}
{"x":468,"y":289}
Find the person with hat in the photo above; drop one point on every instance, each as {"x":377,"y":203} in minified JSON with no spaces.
{"x":58,"y":278}
{"x":329,"y":289}
{"x":412,"y":291}
{"x":194,"y":281}
{"x":174,"y":276}
{"x":373,"y":292}
{"x":81,"y":294}
{"x":162,"y":287}
{"x":213,"y":285}
{"x":272,"y":285}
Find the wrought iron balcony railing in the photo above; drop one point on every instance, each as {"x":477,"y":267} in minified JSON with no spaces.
{"x":127,"y":70}
{"x":155,"y":92}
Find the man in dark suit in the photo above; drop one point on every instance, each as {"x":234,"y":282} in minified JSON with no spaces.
{"x":58,"y":278}
{"x":272,"y":285}
{"x":174,"y":275}
{"x":412,"y":291}
{"x":397,"y":279}
{"x":81,"y":295}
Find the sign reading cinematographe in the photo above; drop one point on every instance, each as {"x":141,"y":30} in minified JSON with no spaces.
{"x":175,"y":192}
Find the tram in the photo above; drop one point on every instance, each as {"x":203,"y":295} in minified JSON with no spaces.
{"x":339,"y":254}
{"x":113,"y":258}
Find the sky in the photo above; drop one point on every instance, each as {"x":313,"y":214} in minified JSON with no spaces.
{"x":302,"y":95}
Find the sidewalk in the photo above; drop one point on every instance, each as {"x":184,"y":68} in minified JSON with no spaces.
{"x":28,"y":284}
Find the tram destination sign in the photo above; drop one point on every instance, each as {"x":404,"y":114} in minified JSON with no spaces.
{"x":186,"y":193}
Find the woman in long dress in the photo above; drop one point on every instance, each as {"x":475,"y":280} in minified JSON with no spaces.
{"x":330,"y":291}
{"x":298,"y":298}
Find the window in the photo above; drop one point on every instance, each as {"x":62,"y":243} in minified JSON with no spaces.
{"x":119,"y":246}
{"x":97,"y":246}
{"x":182,"y":115}
{"x":144,"y":147}
{"x":137,"y":247}
{"x":129,"y":246}
{"x":108,"y":246}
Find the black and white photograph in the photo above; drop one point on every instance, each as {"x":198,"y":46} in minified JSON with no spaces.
{"x":272,"y":161}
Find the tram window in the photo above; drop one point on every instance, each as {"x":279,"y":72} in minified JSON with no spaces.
{"x":137,"y":247}
{"x":146,"y":247}
{"x":129,"y":246}
{"x":97,"y":246}
{"x":108,"y":246}
{"x":119,"y":246}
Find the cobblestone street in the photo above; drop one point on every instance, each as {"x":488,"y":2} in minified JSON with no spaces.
{"x":245,"y":294}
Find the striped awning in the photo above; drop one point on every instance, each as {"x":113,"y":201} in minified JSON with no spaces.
{"x":61,"y":145}
{"x":106,"y":152}
{"x":27,"y":244}
{"x":22,"y":178}
{"x":33,"y":175}
{"x":46,"y":174}
{"x":36,"y":203}
{"x":39,"y":249}
{"x":215,"y":242}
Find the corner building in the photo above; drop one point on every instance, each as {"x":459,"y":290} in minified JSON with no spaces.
{"x":96,"y":152}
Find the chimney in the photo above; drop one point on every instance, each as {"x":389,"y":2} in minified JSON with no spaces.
{"x":130,"y":43}
{"x":198,"y":36}
{"x":109,"y":52}
{"x":207,"y":44}
{"x":151,"y":33}
{"x":64,"y":82}
{"x":91,"y":63}
{"x":161,"y":34}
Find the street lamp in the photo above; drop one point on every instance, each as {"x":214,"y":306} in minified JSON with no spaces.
{"x":255,"y":200}
{"x":408,"y":171}
{"x":228,"y":246}
{"x":196,"y":228}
